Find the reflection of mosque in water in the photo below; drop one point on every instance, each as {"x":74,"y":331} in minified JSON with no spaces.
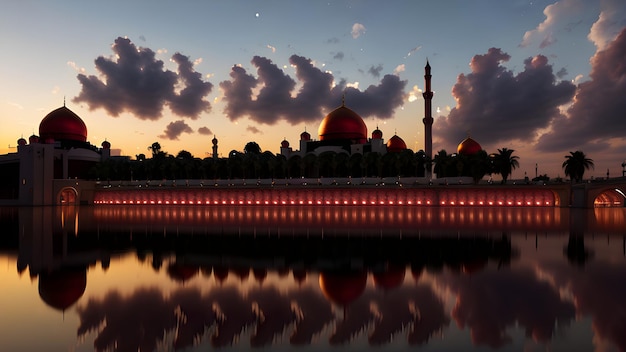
{"x":365,"y":284}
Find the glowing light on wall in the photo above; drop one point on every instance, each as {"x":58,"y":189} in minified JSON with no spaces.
{"x":456,"y":197}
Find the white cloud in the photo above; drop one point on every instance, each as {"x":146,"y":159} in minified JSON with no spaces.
{"x":557,"y":14}
{"x":399,"y":68}
{"x":357,"y":30}
{"x":73,"y":65}
{"x":610,"y":22}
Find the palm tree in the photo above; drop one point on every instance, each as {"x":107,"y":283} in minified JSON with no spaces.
{"x":442,"y":162}
{"x":575,"y":165}
{"x":505,"y":162}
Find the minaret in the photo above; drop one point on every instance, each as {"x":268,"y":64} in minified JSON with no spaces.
{"x":428,"y":119}
{"x":214,"y":141}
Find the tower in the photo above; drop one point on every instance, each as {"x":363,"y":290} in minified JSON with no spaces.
{"x":428,"y":120}
{"x":214,"y":141}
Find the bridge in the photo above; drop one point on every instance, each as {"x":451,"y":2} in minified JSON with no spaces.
{"x":599,"y":193}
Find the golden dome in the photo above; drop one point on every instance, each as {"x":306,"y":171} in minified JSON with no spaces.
{"x":468,"y":147}
{"x":395,"y":144}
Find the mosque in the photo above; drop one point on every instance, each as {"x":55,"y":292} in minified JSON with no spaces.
{"x":343,"y":131}
{"x":47,"y":168}
{"x":42,"y":165}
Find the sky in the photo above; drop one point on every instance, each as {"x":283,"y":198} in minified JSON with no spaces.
{"x":544,"y":78}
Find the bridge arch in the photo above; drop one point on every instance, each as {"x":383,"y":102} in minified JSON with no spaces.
{"x":67,"y":196}
{"x":608,"y":197}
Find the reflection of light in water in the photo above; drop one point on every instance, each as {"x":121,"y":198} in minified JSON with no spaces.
{"x":343,"y":219}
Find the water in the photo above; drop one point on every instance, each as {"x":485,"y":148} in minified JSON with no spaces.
{"x":312,"y":278}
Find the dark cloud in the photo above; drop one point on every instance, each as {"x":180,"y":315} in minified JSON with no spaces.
{"x":598,"y":110}
{"x":561,"y":73}
{"x":253,"y":129}
{"x":339,"y":56}
{"x":375,"y":70}
{"x":204,"y":130}
{"x":189,"y":102}
{"x":276,"y":101}
{"x":333,"y":40}
{"x":137,"y":82}
{"x":497,"y":106}
{"x":491,"y":302}
{"x":175,"y":129}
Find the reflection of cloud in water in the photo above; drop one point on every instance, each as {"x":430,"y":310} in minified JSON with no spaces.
{"x":273,"y":315}
{"x":134,"y":323}
{"x":491,"y":301}
{"x":598,"y":291}
{"x":142,"y":319}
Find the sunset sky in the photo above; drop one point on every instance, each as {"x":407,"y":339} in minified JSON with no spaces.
{"x":541,"y":77}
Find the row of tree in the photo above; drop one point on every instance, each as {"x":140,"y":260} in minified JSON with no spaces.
{"x":252,"y":163}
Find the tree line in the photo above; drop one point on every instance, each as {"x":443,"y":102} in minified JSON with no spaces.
{"x":253,"y":163}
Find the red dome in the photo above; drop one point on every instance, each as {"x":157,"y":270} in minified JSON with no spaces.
{"x":62,"y":289}
{"x":106,"y":145}
{"x":377,"y":134}
{"x":305,"y":136}
{"x":391,"y":278}
{"x":343,"y":288}
{"x":63,"y":124}
{"x":284,"y":144}
{"x":468,"y":147}
{"x":343,"y":123}
{"x":395,"y":144}
{"x":33,"y":139}
{"x":21,"y":141}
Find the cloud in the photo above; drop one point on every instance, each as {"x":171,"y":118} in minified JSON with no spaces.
{"x":338,"y":56}
{"x":494,"y":105}
{"x":597,"y":113}
{"x":611,"y":21}
{"x":272,"y":48}
{"x":136,"y":82}
{"x":277,"y":98}
{"x":175,"y":129}
{"x":204,"y":130}
{"x":413,"y":50}
{"x":357,"y":30}
{"x":375,"y":70}
{"x":253,"y":129}
{"x":399,"y":68}
{"x":76,"y":68}
{"x":557,"y":15}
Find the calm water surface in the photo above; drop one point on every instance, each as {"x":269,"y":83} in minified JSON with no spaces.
{"x":310,"y":279}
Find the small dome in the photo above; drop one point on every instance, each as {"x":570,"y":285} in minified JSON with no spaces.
{"x":63,"y":124}
{"x":343,"y":123}
{"x":377,"y":134}
{"x":33,"y":139}
{"x":468,"y":147}
{"x":106,"y":145}
{"x":395,"y":144}
{"x":284,"y":144}
{"x":21,"y":141}
{"x":214,"y":141}
{"x":342,"y":288}
{"x":305,"y":136}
